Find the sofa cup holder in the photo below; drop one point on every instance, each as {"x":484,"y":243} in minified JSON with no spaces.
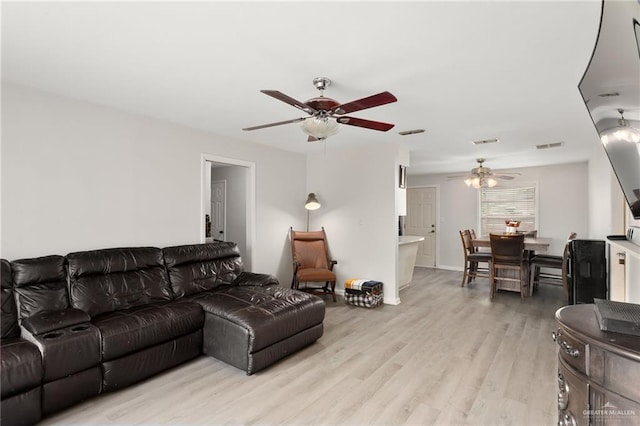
{"x":66,"y":331}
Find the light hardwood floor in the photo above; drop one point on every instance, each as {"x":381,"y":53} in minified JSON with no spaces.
{"x":445,"y":356}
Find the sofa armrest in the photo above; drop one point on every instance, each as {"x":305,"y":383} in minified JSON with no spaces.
{"x":46,"y":321}
{"x":251,"y":278}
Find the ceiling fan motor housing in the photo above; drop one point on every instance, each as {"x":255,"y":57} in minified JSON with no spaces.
{"x":322,"y":104}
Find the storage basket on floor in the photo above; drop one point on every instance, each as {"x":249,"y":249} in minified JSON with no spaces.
{"x":363,"y":293}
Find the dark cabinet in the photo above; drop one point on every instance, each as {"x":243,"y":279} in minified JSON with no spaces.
{"x":587,"y":271}
{"x":598,"y":371}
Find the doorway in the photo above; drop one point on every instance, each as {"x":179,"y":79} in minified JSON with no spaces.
{"x":421,"y":220}
{"x":228,"y":203}
{"x":218,"y":230}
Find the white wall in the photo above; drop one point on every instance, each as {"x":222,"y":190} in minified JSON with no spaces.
{"x":563,"y":207}
{"x":78,"y":176}
{"x":606,"y":202}
{"x":356,"y":188}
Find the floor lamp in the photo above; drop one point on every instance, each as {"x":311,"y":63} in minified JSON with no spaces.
{"x":312,"y":203}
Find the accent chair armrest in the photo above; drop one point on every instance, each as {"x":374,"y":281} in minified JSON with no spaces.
{"x":332,"y":263}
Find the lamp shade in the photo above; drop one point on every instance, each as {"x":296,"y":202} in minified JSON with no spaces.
{"x":312,"y":202}
{"x":320,"y":127}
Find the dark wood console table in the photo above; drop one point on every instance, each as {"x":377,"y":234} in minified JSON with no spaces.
{"x":598,"y":371}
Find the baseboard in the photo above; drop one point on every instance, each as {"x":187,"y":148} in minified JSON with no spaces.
{"x":451,"y":268}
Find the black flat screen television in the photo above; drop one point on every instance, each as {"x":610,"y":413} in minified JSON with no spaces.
{"x":610,"y":88}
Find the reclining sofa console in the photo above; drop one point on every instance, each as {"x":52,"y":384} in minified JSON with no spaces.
{"x":97,"y":321}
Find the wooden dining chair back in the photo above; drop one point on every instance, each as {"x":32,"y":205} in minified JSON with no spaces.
{"x":508,"y":261}
{"x":311,"y":262}
{"x":559,"y":265}
{"x":473,"y":260}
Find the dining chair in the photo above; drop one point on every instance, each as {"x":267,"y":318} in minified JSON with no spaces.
{"x":473,"y":259}
{"x":311,"y":262}
{"x":508,"y":255}
{"x":549,"y":261}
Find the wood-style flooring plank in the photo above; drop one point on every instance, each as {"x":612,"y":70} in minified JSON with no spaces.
{"x":445,"y":356}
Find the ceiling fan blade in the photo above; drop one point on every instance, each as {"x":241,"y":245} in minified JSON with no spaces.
{"x":505,"y":177}
{"x":289,"y":100}
{"x":367,"y":124}
{"x":312,"y":139}
{"x":262,"y":126}
{"x":364,"y":103}
{"x":456,"y":177}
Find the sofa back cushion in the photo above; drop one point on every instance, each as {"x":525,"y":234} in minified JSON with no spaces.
{"x":200,"y":267}
{"x":40,"y":285}
{"x":109,"y":280}
{"x":9,"y":319}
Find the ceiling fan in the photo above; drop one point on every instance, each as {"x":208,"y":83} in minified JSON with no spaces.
{"x":483,"y":176}
{"x":326,"y":114}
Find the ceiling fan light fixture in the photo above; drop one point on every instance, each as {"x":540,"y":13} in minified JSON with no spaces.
{"x":320,"y":127}
{"x":478,"y":182}
{"x":473,"y":181}
{"x":623,"y":132}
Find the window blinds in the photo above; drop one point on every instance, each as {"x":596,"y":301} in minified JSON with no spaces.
{"x":499,"y":204}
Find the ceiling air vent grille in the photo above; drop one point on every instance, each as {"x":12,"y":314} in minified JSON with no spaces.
{"x":411,"y":132}
{"x":485,"y":141}
{"x":550,"y":145}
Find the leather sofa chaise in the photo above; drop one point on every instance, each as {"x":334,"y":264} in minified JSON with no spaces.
{"x":97,"y":321}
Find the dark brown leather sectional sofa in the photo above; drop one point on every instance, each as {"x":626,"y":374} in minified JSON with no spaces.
{"x":97,"y":321}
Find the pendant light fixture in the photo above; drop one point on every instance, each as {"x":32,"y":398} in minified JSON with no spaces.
{"x":623,"y":132}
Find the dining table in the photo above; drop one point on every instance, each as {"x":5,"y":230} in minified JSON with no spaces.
{"x":531,"y":245}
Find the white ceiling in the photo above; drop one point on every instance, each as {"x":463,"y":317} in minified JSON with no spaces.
{"x":463,"y":71}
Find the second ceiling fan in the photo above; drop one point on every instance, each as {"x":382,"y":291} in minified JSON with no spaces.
{"x":326,"y":114}
{"x":483,"y":176}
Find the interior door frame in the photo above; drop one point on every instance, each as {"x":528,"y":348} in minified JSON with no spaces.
{"x":205,"y":172}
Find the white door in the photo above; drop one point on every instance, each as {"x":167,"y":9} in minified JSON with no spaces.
{"x":421,"y":220}
{"x":218,"y":209}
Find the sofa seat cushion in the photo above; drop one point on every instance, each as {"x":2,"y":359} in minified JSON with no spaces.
{"x":269,"y":313}
{"x":21,"y":366}
{"x":137,"y":328}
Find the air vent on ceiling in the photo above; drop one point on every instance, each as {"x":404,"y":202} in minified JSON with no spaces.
{"x":411,"y":132}
{"x":550,"y":145}
{"x":485,"y":141}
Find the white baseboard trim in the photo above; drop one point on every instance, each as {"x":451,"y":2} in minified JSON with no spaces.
{"x":451,"y":268}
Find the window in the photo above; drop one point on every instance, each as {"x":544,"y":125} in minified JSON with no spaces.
{"x":502,"y":203}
